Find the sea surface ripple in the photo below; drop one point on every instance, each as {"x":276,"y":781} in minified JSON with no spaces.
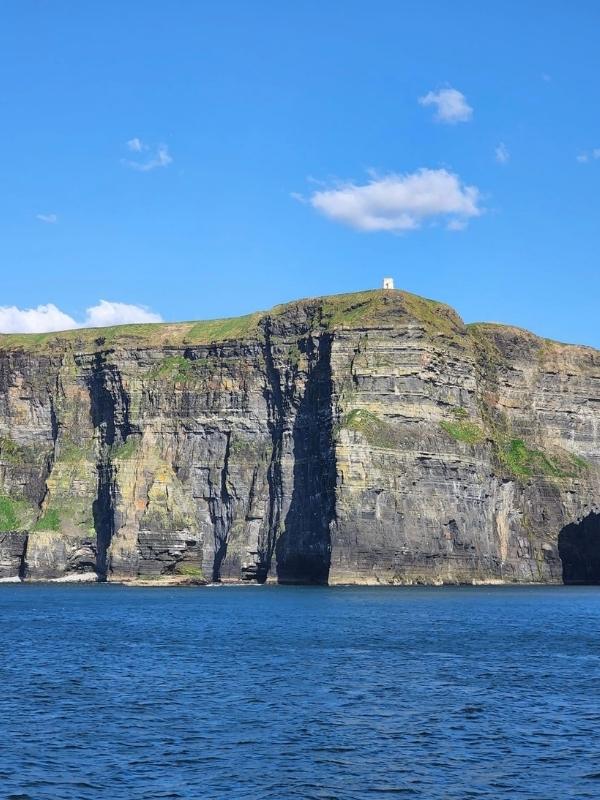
{"x":280,"y":693}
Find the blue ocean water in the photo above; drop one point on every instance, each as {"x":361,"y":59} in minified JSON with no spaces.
{"x":276,"y":692}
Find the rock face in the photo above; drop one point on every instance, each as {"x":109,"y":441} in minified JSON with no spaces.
{"x":365,"y":438}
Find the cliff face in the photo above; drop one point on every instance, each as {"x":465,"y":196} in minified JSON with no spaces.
{"x":367,"y":438}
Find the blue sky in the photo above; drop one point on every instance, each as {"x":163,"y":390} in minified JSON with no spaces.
{"x":265,"y":136}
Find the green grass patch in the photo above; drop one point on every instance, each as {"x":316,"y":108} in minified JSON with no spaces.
{"x":221,"y":330}
{"x":13,"y":453}
{"x":172,"y":368}
{"x":86,"y":339}
{"x":579,"y":463}
{"x":140,"y":330}
{"x":348,"y":310}
{"x":71,"y":452}
{"x":391,"y":308}
{"x":486,"y":351}
{"x":15,"y":514}
{"x":190,"y":571}
{"x":9,"y":520}
{"x":376,"y":431}
{"x":50,"y":521}
{"x":294,"y":356}
{"x":126,"y":449}
{"x":438,"y":319}
{"x":10,"y":451}
{"x":80,"y":337}
{"x":524,"y":462}
{"x":463,"y":431}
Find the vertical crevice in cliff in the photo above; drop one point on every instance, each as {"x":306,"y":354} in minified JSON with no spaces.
{"x":303,"y":550}
{"x":22,"y":573}
{"x":54,"y":415}
{"x":109,"y":401}
{"x":275,"y":422}
{"x":221,"y":513}
{"x":104,"y":519}
{"x":37,"y":489}
{"x":40,"y":492}
{"x":110,"y":416}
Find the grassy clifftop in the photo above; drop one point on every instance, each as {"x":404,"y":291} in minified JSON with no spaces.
{"x":373,"y":308}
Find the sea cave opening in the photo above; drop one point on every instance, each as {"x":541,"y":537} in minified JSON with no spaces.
{"x":579,"y":550}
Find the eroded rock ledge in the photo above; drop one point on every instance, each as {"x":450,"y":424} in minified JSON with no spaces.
{"x":366,"y":438}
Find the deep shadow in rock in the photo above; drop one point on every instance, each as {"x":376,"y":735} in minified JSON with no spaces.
{"x":104,"y":523}
{"x":109,"y":405}
{"x":579,"y":550}
{"x":303,"y":551}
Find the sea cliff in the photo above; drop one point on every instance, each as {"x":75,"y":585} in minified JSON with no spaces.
{"x":364,"y":438}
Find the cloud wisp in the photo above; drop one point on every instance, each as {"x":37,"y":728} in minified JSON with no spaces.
{"x":501,"y":154}
{"x":48,"y":318}
{"x":49,"y":219}
{"x":592,"y":155}
{"x":149,"y":158}
{"x":136,"y":145}
{"x":400,"y":203}
{"x":450,"y":106}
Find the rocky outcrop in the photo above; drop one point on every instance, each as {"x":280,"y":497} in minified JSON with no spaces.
{"x":366,"y":438}
{"x":12,"y":552}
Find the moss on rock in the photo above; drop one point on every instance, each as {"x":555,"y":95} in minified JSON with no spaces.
{"x":15,"y":514}
{"x":49,"y":521}
{"x":463,"y":431}
{"x":524,"y":461}
{"x":376,"y":431}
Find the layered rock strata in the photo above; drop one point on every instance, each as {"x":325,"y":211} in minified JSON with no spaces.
{"x":366,"y":438}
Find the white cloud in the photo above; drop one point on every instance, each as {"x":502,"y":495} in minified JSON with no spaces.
{"x":451,"y":105}
{"x":34,"y":320}
{"x":501,"y":154}
{"x":49,"y":218}
{"x":158,"y":156}
{"x":47,"y":318}
{"x":110,"y":313}
{"x":583,"y":158}
{"x":400,"y":202}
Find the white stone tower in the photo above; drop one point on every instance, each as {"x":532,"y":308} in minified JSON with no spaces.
{"x":388,"y":283}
